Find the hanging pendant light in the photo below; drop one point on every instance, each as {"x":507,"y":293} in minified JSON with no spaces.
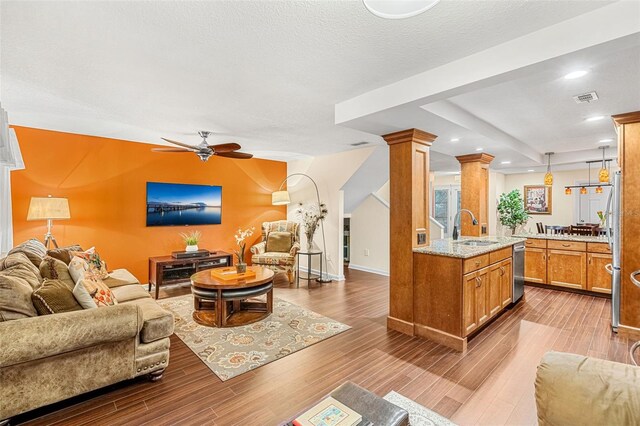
{"x":548,"y":177}
{"x":567,"y":191}
{"x":583,"y":190}
{"x":599,"y":190}
{"x":603,"y":174}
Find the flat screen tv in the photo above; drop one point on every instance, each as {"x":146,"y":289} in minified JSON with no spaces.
{"x":176,"y":204}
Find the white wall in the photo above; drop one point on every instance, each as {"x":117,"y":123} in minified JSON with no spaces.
{"x":562,"y":205}
{"x":330,"y":172}
{"x":496,"y":187}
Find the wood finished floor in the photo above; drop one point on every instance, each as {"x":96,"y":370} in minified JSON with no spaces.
{"x":491,"y":384}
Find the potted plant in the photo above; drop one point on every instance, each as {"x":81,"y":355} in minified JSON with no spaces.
{"x":311,"y":216}
{"x":511,"y":210}
{"x":191,"y":240}
{"x":240,"y":237}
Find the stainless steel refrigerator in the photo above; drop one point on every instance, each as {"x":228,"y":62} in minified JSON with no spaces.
{"x":614,"y":206}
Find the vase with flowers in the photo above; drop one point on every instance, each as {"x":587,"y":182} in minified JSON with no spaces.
{"x":311,"y":215}
{"x":241,"y":236}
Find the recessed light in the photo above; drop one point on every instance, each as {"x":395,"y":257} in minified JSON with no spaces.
{"x":594,"y":118}
{"x":605,"y":140}
{"x":455,"y":139}
{"x":505,"y":162}
{"x":531,"y":170}
{"x":398,"y":9}
{"x":478,"y":149}
{"x":575,"y":74}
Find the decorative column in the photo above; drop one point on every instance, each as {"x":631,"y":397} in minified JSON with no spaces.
{"x":409,"y":218}
{"x":474,"y":192}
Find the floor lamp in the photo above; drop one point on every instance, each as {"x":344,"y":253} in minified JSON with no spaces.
{"x":281,"y":198}
{"x":48,"y":208}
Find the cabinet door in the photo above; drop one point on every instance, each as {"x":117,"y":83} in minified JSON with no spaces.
{"x":506,"y":283}
{"x":535,"y":265}
{"x":495,"y":284}
{"x":598,"y":279}
{"x":470,"y":322}
{"x":482,"y":296}
{"x":567,"y":268}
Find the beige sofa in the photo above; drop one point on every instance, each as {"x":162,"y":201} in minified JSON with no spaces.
{"x":48,"y":358}
{"x":578,"y":390}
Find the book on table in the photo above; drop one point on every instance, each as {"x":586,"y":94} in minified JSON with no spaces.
{"x":230,"y":273}
{"x":328,"y":412}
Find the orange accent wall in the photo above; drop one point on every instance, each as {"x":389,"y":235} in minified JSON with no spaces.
{"x":105,"y":182}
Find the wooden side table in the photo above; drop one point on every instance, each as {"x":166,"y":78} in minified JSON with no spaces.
{"x":309,"y":276}
{"x":169,"y":270}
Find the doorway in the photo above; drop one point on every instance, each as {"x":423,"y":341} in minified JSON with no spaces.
{"x":446,"y":204}
{"x":587,"y":206}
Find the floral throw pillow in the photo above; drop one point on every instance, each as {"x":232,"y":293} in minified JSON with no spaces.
{"x":96,"y":268}
{"x":93,"y":294}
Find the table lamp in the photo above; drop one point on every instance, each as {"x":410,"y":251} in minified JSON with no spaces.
{"x":48,"y":208}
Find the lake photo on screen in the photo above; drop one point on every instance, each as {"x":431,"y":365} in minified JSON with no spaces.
{"x":176,"y":204}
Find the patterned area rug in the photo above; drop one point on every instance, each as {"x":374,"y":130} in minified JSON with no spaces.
{"x":418,"y":415}
{"x":229,"y":352}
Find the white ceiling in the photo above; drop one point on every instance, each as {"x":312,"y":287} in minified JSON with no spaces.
{"x":264,"y":73}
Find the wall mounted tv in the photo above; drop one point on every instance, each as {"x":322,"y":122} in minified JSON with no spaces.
{"x":176,"y":204}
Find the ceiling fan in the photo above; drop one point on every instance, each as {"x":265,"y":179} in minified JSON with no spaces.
{"x":204,"y":150}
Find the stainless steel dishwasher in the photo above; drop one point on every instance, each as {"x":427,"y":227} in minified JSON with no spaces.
{"x":518,"y":271}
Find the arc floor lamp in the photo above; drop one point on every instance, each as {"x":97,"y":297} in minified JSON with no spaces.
{"x":281,"y":197}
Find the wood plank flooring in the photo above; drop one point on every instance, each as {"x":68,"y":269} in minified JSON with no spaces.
{"x":491,"y":384}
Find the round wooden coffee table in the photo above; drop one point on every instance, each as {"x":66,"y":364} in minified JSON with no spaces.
{"x":227,"y":302}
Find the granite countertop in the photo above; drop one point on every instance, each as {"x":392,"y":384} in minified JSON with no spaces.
{"x":451,"y":248}
{"x":560,"y":237}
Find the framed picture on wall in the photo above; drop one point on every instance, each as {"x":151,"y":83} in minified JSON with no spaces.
{"x":537,"y":199}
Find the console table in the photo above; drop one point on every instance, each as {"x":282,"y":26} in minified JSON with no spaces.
{"x":169,"y":270}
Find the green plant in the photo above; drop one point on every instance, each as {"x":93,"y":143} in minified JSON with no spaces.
{"x":191,"y":238}
{"x":511,"y":210}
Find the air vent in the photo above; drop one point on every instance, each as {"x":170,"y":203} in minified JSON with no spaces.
{"x":360,"y":143}
{"x":586,"y":98}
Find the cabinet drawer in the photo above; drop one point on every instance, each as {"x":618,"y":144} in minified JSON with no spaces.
{"x":567,"y":245}
{"x":475,"y":263}
{"x":533,"y":242}
{"x":498,"y":255}
{"x":598,"y":248}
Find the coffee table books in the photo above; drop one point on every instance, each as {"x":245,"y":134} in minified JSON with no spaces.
{"x":330,"y":412}
{"x":228,"y":274}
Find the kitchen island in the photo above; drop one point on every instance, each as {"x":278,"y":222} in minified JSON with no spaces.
{"x":577,"y":262}
{"x":459,"y":286}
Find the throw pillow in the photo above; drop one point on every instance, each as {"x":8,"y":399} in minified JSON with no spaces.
{"x":64,"y":253}
{"x":93,"y":294}
{"x":78,"y":268}
{"x":54,"y":269}
{"x":279,"y":242}
{"x":96,"y":267}
{"x":54,"y":296}
{"x":33,"y":249}
{"x":15,"y":297}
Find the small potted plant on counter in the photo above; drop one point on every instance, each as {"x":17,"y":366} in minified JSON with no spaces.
{"x":240,"y":237}
{"x":511,"y":211}
{"x":191,"y":240}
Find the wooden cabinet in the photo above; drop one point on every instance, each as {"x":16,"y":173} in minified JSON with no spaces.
{"x":482,"y":296}
{"x":496,"y":272}
{"x":567,"y":268}
{"x":535,"y":265}
{"x":506,"y":283}
{"x":470,"y":316}
{"x":598,"y":279}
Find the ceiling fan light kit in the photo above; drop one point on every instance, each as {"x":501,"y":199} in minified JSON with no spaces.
{"x":204,"y":151}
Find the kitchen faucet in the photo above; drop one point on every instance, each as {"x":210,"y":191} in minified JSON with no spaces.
{"x":457,"y":220}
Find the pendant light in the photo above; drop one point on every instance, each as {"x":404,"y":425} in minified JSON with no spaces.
{"x":583,"y":191}
{"x":603,"y":174}
{"x":599,"y":190}
{"x":548,"y":177}
{"x":567,"y":191}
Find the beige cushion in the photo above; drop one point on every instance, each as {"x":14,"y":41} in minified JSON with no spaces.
{"x":63,"y":254}
{"x":129,"y":292}
{"x":157,"y":322}
{"x":101,"y":295}
{"x":279,"y":242}
{"x":15,"y":296}
{"x":33,"y":249}
{"x":19,"y":265}
{"x":54,"y":296}
{"x":120,"y":277}
{"x":54,"y":269}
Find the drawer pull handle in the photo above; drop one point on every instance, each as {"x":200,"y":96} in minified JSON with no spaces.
{"x":478,"y":282}
{"x":566,"y":245}
{"x":609,"y":268}
{"x":633,"y":277}
{"x":477,"y":263}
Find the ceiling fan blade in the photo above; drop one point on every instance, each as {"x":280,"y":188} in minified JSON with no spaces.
{"x":225,"y":147}
{"x":170,"y":150}
{"x":240,"y":155}
{"x":194,"y":148}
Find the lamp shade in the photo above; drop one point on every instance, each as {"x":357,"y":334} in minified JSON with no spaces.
{"x":280,"y":198}
{"x":41,"y":208}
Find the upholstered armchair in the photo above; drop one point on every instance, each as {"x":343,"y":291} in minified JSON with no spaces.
{"x":278,"y":248}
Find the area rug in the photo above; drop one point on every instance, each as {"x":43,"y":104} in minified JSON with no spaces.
{"x":229,"y":352}
{"x":418,"y":415}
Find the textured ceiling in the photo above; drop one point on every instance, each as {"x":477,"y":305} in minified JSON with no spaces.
{"x":264,"y":73}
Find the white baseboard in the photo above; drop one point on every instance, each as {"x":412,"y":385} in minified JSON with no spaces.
{"x":371,"y":270}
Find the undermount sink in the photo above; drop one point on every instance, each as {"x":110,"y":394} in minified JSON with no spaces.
{"x":476,"y":243}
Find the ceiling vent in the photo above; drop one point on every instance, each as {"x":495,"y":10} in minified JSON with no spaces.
{"x":586,"y":98}
{"x":360,"y":143}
